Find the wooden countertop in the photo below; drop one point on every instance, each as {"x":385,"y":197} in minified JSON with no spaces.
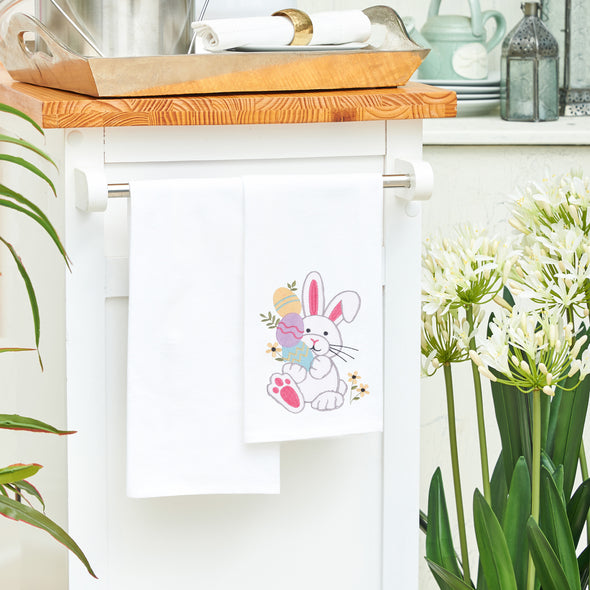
{"x":54,"y":109}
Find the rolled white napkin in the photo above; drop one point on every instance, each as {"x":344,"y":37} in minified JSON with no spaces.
{"x":329,"y":28}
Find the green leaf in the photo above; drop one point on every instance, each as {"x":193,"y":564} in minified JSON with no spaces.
{"x":493,"y":550}
{"x":553,"y":415}
{"x":19,"y":471}
{"x":518,"y":510}
{"x":19,"y":512}
{"x":31,"y":167}
{"x":584,"y":567}
{"x":525,"y":418}
{"x":30,"y":291}
{"x":8,"y":109}
{"x":507,"y":410}
{"x":423,"y":521}
{"x":555,"y":525}
{"x":439,"y":541}
{"x":8,"y":192}
{"x":42,"y":222}
{"x":16,"y":350}
{"x":571,"y":416}
{"x":548,"y":568}
{"x":26,"y":145}
{"x":445,"y":579}
{"x":16,"y":422}
{"x":499,"y":489}
{"x":24,"y":486}
{"x":577,"y":510}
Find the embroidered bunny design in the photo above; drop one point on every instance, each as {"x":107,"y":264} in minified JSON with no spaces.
{"x":315,"y":379}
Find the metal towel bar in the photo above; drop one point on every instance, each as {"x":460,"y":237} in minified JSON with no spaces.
{"x":414,"y":181}
{"x":121,"y":190}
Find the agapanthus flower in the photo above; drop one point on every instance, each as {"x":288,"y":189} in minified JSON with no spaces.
{"x":532,"y":350}
{"x":467,"y":269}
{"x":554,"y":269}
{"x":445,"y":338}
{"x":563,"y":198}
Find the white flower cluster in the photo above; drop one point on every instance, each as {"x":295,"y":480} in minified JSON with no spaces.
{"x":445,"y":338}
{"x":554,"y":271}
{"x":470,"y":268}
{"x":547,"y":272}
{"x":559,"y":198}
{"x":531,"y":350}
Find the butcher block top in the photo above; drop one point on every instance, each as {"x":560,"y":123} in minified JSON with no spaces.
{"x":54,"y":109}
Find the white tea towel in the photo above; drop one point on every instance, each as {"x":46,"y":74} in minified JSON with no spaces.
{"x":313,"y":306}
{"x":185,"y":351}
{"x":329,"y":28}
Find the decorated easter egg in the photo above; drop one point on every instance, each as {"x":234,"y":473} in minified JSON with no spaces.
{"x":285,"y":301}
{"x":290,"y":330}
{"x":300,"y":354}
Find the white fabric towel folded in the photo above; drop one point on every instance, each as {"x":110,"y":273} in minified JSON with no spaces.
{"x":313,"y":301}
{"x":329,"y":28}
{"x":185,"y":351}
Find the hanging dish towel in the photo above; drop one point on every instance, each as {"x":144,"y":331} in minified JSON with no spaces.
{"x":185,"y":351}
{"x":313,"y":306}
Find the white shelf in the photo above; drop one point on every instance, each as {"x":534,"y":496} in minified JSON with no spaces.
{"x":492,"y":130}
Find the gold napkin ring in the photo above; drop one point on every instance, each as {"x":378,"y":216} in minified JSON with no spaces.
{"x":302,"y":25}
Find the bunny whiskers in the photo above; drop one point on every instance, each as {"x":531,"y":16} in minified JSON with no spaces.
{"x":338,"y":350}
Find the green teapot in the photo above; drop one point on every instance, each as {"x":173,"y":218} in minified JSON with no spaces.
{"x":459,"y":48}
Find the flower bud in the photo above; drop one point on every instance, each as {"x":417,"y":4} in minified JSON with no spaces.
{"x":548,"y":390}
{"x":486,"y":373}
{"x":475,"y":358}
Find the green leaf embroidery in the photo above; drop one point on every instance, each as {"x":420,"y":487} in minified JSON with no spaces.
{"x":270,"y":320}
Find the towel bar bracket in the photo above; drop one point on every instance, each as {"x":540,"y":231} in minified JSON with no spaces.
{"x":414,"y":181}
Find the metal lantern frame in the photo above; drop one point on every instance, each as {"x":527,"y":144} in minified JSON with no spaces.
{"x":574,"y":98}
{"x":530,"y":78}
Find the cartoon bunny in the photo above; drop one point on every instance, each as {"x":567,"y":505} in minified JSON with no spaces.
{"x":320,"y":386}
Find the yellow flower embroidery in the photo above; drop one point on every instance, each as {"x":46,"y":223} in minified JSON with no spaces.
{"x":273,"y":349}
{"x":363,"y":390}
{"x":353,"y":377}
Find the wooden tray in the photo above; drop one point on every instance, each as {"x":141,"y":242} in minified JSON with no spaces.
{"x":388,"y":65}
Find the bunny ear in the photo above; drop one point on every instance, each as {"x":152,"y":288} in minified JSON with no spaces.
{"x":344,"y":306}
{"x":313,"y":294}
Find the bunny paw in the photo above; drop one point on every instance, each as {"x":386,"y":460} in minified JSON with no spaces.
{"x":285,"y":391}
{"x":329,"y":400}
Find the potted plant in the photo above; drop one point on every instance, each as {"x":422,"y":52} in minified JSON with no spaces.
{"x":517,"y":310}
{"x":19,"y":498}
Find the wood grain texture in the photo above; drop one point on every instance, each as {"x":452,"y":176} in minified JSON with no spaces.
{"x":58,"y":109}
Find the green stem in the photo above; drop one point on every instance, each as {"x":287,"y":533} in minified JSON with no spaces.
{"x":584,"y":470}
{"x":481,"y":427}
{"x":536,"y":476}
{"x":456,"y":474}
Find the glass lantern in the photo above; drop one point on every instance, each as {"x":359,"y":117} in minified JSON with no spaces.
{"x":569,"y":22}
{"x":529,"y":89}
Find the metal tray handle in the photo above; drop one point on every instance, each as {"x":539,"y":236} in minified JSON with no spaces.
{"x":16,"y":51}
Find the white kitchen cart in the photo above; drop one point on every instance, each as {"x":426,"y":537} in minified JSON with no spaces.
{"x":347,"y":515}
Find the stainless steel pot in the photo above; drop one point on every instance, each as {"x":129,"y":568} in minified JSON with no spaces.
{"x":119,"y":28}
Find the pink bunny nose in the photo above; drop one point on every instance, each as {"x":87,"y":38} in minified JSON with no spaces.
{"x":314,"y":341}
